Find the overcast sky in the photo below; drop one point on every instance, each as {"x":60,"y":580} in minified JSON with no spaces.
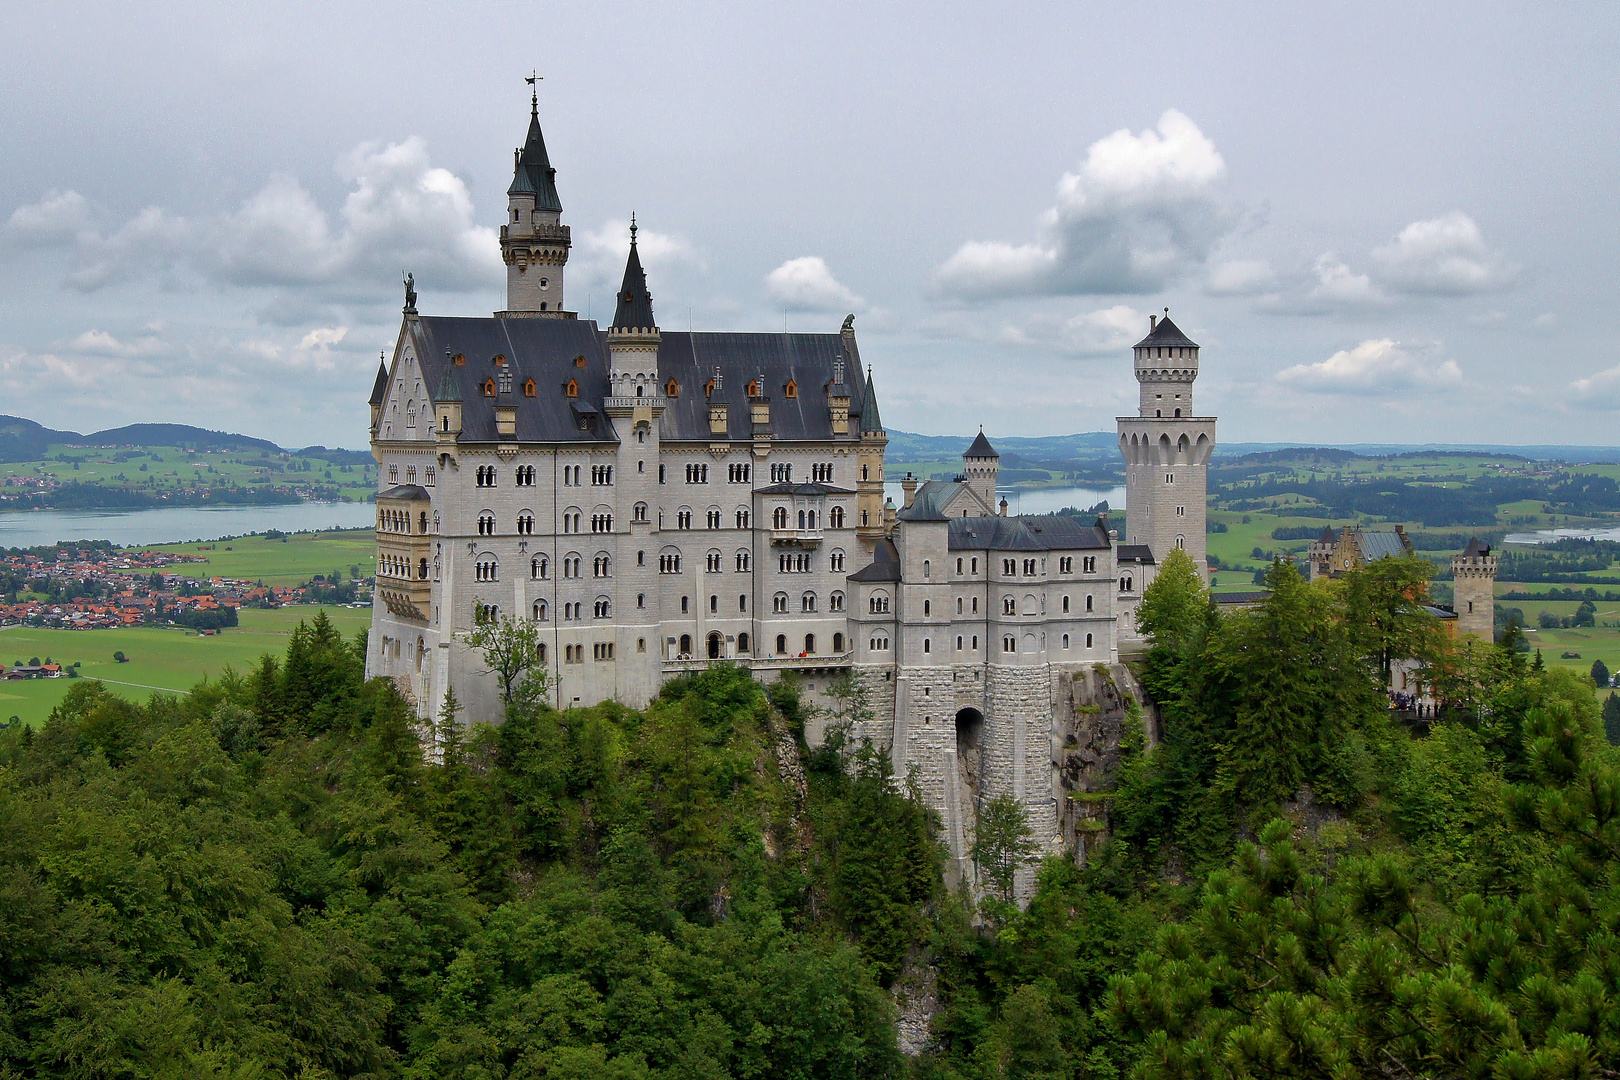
{"x":1391,"y":223}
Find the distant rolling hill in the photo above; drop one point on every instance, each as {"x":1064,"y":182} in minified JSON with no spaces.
{"x":24,"y":440}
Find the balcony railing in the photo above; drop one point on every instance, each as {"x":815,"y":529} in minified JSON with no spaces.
{"x":804,"y":537}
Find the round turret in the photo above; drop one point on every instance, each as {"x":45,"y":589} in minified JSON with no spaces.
{"x":1166,"y":364}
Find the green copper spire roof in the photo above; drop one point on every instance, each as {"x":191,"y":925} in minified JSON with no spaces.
{"x":533,"y":174}
{"x":634,"y":311}
{"x":449,"y":385}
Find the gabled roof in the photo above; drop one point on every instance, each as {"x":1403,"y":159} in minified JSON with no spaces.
{"x":634,"y":311}
{"x":379,"y":389}
{"x":533,"y":174}
{"x":931,"y":501}
{"x":1382,"y":543}
{"x":885,"y":564}
{"x":1044,"y":533}
{"x":981,"y":448}
{"x":555,"y":352}
{"x":1165,"y":332}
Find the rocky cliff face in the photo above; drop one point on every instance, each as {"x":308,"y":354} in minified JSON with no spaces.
{"x":1086,"y":749}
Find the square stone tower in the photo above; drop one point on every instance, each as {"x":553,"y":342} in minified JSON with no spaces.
{"x":1166,"y":447}
{"x":1473,"y":571}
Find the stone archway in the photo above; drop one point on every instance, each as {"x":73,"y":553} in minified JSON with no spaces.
{"x":969,"y":749}
{"x":715,"y":642}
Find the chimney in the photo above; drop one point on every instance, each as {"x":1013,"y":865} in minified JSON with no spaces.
{"x":909,"y":486}
{"x":1003,"y":507}
{"x":1153,"y":322}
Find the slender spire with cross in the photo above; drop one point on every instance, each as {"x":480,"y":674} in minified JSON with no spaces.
{"x":632,"y":228}
{"x":533,"y":80}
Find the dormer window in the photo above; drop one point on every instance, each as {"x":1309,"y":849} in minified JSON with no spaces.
{"x":489,"y":387}
{"x":708,"y":389}
{"x":499,"y":360}
{"x":579,"y":361}
{"x":753,"y":389}
{"x":506,"y":380}
{"x":571,"y":388}
{"x":792,"y":389}
{"x":460,"y":359}
{"x":672,"y":389}
{"x":528,"y":388}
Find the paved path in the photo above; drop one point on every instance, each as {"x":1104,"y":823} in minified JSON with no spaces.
{"x":140,"y":686}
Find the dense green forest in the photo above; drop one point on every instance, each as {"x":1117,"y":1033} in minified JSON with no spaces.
{"x":266,"y":879}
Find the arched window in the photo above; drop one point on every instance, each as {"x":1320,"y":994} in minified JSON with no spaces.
{"x":712,"y":517}
{"x":1009,"y":643}
{"x":779,"y":518}
{"x":810,"y":643}
{"x":835,"y":517}
{"x":1009,"y":606}
{"x":1088,"y":603}
{"x":539,"y":611}
{"x":1065,"y":641}
{"x":1065,"y":605}
{"x":838,"y":643}
{"x":801,"y":520}
{"x":486,"y":524}
{"x":744,"y":560}
{"x":422,"y":568}
{"x":538,"y":567}
{"x":672,"y":389}
{"x":603,"y":607}
{"x":742,"y":518}
{"x":602,"y":566}
{"x":1088,"y":641}
{"x":779,"y":603}
{"x":835,"y":602}
{"x":640,"y":512}
{"x":742,"y":643}
{"x":807,"y":602}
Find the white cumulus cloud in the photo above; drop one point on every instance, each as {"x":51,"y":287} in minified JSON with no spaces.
{"x":57,"y":218}
{"x":1372,"y":367}
{"x":808,"y":284}
{"x":1138,"y":214}
{"x":101,"y":343}
{"x":402,"y":213}
{"x":1108,"y":331}
{"x":1600,"y":390}
{"x":1445,"y":256}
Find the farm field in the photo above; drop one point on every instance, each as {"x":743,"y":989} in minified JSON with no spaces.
{"x":158,"y":467}
{"x":291,"y":561}
{"x":163,"y":659}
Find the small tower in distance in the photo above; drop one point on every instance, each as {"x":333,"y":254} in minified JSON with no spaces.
{"x":1167,"y":448}
{"x":534,"y":241}
{"x":1473,"y":573}
{"x":980,"y":465}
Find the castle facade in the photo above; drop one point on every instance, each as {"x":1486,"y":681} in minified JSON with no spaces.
{"x":656,"y":501}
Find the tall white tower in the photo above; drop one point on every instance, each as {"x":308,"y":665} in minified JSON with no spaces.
{"x":980,"y":465}
{"x":534,"y":241}
{"x":1166,"y":447}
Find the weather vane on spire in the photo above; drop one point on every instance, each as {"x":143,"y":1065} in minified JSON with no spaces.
{"x":533,"y":80}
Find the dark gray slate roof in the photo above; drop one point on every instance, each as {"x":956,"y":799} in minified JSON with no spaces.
{"x":379,"y":389}
{"x":546,"y":350}
{"x":1440,"y":612}
{"x":1134,"y":553}
{"x":930,"y":502}
{"x":1328,"y":536}
{"x":634,"y":311}
{"x":885,"y":564}
{"x":1476,"y":548}
{"x":1240,"y":597}
{"x":533,"y":174}
{"x":870,"y":421}
{"x":1053,"y":533}
{"x":1382,"y":543}
{"x":1165,"y":332}
{"x":981,"y":448}
{"x":803,"y":489}
{"x":405,"y":491}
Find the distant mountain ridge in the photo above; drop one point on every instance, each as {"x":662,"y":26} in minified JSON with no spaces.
{"x":906,"y":446}
{"x":22,"y":439}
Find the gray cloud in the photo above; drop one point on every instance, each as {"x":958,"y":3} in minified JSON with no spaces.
{"x":1444,"y":256}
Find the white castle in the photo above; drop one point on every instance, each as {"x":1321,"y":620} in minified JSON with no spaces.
{"x":657,"y":501}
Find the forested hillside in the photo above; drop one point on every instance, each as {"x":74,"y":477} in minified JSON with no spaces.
{"x":266,"y":879}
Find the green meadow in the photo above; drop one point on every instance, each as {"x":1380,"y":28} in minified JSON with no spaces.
{"x":158,"y":659}
{"x":289,"y":561}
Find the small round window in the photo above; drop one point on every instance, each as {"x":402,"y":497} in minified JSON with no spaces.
{"x":544,"y":282}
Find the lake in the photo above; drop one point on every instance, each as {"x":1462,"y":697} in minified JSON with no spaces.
{"x":32,"y":528}
{"x":1552,"y":536}
{"x":1038,"y":500}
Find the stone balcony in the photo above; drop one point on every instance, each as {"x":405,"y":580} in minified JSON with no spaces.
{"x":796,"y":537}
